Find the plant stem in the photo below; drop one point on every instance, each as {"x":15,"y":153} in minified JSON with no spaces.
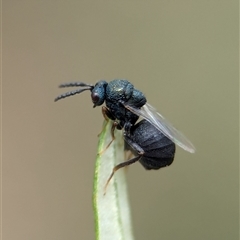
{"x":112,"y":210}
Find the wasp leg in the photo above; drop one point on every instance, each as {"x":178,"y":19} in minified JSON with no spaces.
{"x":128,"y":155}
{"x":140,"y":152}
{"x":107,"y":115}
{"x":120,"y":165}
{"x":113,"y":138}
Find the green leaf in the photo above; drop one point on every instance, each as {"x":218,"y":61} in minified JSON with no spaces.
{"x":111,"y":209}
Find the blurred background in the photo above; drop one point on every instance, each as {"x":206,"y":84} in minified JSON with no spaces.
{"x":182,"y":54}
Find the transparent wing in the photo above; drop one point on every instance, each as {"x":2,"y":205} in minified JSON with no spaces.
{"x":156,"y":119}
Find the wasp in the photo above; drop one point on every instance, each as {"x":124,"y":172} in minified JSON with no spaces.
{"x":147,"y":134}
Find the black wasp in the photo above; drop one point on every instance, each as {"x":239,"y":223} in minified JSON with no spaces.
{"x":152,"y":140}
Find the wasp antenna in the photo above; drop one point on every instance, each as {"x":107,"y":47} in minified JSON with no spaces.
{"x":71,"y":93}
{"x":75,"y":84}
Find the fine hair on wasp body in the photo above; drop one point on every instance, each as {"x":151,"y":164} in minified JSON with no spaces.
{"x":152,"y":140}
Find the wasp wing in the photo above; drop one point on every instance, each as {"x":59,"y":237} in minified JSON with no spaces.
{"x":156,"y":119}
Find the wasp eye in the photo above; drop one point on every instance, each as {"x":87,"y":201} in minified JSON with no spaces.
{"x":98,"y":93}
{"x":95,"y":97}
